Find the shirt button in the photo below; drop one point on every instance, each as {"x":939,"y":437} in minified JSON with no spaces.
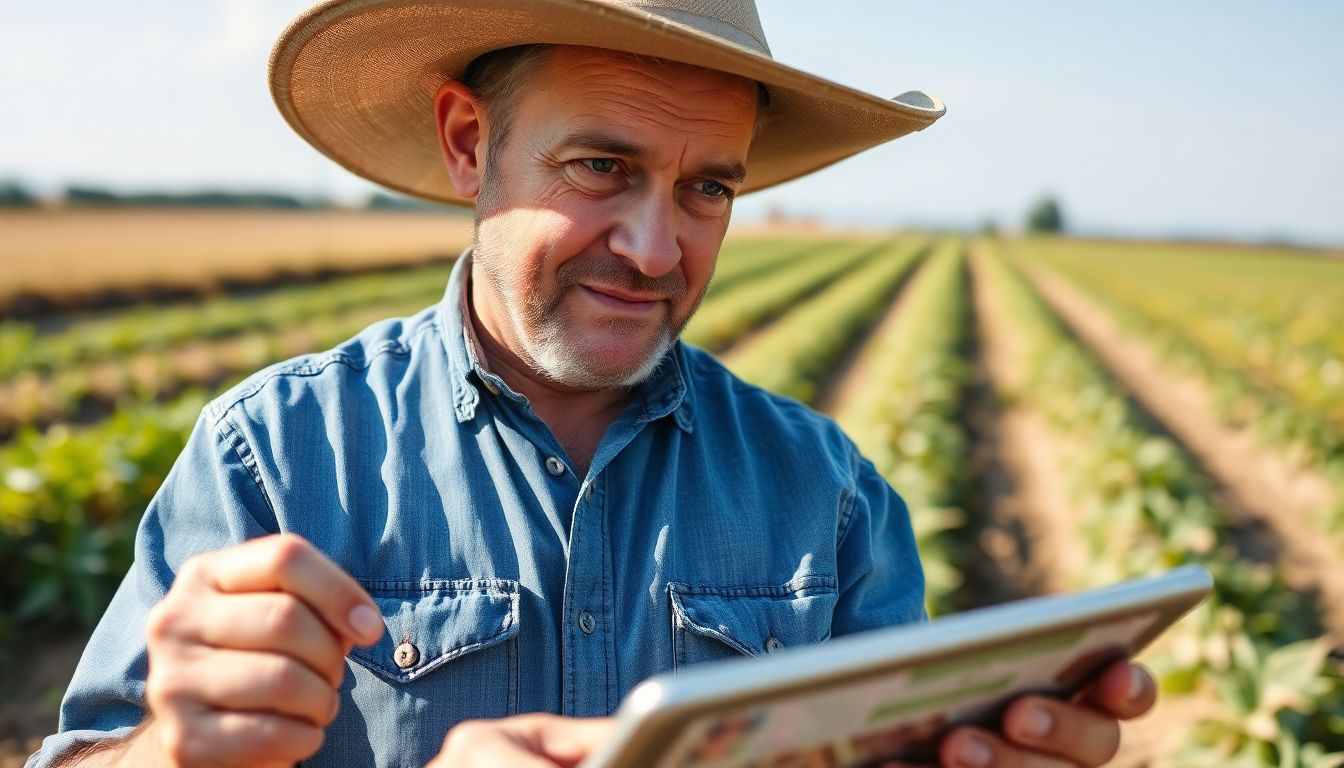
{"x":490,"y":386}
{"x":773,"y":644}
{"x":406,"y":655}
{"x":587,"y":622}
{"x":588,"y":493}
{"x":555,"y":466}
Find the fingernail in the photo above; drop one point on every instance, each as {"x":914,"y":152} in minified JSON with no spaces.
{"x":974,"y":754}
{"x":1037,"y":723}
{"x":366,"y":621}
{"x":1138,"y":684}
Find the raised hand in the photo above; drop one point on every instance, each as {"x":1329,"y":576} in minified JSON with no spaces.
{"x":247,"y":654}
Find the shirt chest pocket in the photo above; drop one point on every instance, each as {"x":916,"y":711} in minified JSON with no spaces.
{"x":715,"y":623}
{"x":450,"y":653}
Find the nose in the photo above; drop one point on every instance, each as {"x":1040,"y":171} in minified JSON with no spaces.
{"x":646,"y":235}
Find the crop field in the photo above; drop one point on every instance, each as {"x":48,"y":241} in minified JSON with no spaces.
{"x":81,"y":257}
{"x":1057,"y":414}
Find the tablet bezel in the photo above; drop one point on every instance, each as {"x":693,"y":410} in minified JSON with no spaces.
{"x":654,"y":714}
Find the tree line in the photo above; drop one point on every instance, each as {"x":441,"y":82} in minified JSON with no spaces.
{"x":16,"y":195}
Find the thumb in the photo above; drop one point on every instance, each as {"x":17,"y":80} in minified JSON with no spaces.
{"x":567,"y":740}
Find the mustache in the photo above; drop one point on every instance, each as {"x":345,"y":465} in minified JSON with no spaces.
{"x":613,"y":271}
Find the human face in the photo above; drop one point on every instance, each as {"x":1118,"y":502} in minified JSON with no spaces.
{"x":601,"y":215}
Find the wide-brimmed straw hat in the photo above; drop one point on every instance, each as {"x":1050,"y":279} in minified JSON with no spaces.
{"x":357,"y":79}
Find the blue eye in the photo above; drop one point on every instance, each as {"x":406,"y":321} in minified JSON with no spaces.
{"x":602,"y":165}
{"x":713,"y":188}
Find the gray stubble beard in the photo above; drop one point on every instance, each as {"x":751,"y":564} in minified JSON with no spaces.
{"x":538,"y":325}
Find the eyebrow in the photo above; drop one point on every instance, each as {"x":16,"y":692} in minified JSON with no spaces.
{"x":729,"y":170}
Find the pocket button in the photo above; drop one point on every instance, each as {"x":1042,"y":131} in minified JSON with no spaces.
{"x":406,"y":655}
{"x":773,"y":644}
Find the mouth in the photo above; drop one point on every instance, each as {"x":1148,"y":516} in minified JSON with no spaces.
{"x":623,"y":302}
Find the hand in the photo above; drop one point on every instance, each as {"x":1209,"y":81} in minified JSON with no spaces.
{"x":523,"y":741}
{"x":1040,"y":732}
{"x":247,"y":654}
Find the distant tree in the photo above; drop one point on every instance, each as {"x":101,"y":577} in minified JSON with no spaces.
{"x":76,"y":195}
{"x":385,"y":201}
{"x":14,"y":195}
{"x":209,"y":198}
{"x":1046,"y":217}
{"x":989,"y":228}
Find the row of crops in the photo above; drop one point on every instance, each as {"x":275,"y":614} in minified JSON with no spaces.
{"x":1143,"y":506}
{"x":1266,"y":336}
{"x":879,"y":332}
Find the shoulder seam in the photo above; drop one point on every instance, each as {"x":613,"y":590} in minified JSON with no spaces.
{"x":234,"y":437}
{"x":850,"y":494}
{"x":399,"y":346}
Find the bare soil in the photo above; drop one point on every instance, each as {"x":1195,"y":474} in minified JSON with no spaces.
{"x":855,"y":365}
{"x":1261,"y":483}
{"x":31,"y":704}
{"x":1031,"y":529}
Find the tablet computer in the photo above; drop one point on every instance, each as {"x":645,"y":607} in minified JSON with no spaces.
{"x":891,"y":693}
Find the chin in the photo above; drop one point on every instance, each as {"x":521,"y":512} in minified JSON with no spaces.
{"x":603,"y":365}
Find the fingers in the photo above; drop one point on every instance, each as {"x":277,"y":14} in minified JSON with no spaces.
{"x":524,"y":740}
{"x":485,"y":744}
{"x":276,"y":622}
{"x":1075,"y":732}
{"x":564,"y":739}
{"x":969,"y":747}
{"x":245,"y":681}
{"x":1125,"y":690}
{"x":288,"y":563}
{"x":247,"y":652}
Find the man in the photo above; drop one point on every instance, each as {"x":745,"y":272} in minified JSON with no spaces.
{"x":529,"y":497}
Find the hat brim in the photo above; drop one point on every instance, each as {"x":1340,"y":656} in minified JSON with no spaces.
{"x":357,"y":80}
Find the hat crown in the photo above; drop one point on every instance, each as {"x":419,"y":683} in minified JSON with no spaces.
{"x":733,"y":20}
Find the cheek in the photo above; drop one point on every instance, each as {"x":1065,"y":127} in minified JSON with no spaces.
{"x":697,"y":263}
{"x":533,"y":240}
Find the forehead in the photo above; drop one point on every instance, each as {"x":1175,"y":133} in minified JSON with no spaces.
{"x":655,"y":98}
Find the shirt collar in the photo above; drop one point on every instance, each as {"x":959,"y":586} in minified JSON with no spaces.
{"x":664,"y":392}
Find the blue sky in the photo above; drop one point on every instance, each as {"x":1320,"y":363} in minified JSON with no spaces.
{"x":1145,"y":118}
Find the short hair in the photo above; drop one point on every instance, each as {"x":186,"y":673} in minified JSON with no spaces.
{"x":496,"y":78}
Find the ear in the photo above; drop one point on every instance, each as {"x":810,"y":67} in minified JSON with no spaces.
{"x":462,"y":135}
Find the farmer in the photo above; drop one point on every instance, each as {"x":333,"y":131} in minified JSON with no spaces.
{"x":530,"y":497}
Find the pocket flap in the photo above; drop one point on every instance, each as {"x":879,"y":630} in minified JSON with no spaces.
{"x":440,"y":620}
{"x":755,"y":620}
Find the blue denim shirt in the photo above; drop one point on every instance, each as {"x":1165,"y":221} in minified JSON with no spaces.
{"x":716,"y":520}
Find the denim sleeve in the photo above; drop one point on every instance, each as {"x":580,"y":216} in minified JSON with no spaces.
{"x":212,"y":498}
{"x":881,"y":578}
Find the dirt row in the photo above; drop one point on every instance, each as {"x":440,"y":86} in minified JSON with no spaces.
{"x":1269,"y":499}
{"x":1261,"y":488}
{"x":1023,"y":490}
